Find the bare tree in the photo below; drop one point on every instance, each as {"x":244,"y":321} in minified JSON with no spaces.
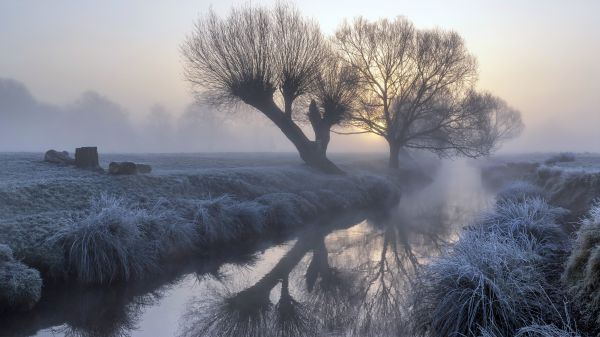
{"x":262,"y":56}
{"x":417,"y":90}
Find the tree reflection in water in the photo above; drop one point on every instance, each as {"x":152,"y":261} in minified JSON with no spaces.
{"x":105,"y":314}
{"x":353,"y":282}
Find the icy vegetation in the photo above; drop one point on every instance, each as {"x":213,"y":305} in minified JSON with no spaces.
{"x":96,"y":229}
{"x":499,"y":278}
{"x":570,"y":188}
{"x":20,"y":286}
{"x":519,"y":190}
{"x":565,"y":180}
{"x":537,"y":330}
{"x":582,"y":274}
{"x":563,"y":157}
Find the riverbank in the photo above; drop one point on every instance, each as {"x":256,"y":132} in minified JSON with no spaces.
{"x":67,"y":225}
{"x":529,"y":267}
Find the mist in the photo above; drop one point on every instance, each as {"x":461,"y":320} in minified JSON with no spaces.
{"x":29,"y":124}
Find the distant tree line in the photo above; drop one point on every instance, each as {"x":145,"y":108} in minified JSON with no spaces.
{"x":413,"y":87}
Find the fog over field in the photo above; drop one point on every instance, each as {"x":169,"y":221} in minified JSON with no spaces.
{"x":541,"y":56}
{"x":29,"y":124}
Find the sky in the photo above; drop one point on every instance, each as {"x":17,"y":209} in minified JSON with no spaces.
{"x":70,"y":56}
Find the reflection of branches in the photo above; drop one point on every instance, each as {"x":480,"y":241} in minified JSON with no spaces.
{"x":292,"y":318}
{"x":353,"y":285}
{"x":227,"y":314}
{"x":249,"y":312}
{"x":210,"y":266}
{"x":380,"y":309}
{"x":331,"y":293}
{"x":388,"y":267}
{"x":106,"y":313}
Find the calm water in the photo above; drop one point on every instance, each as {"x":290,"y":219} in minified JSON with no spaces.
{"x":347,"y":275}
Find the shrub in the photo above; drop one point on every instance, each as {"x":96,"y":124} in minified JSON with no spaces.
{"x":563,"y":157}
{"x":171,"y":234}
{"x":287,"y":209}
{"x":109,"y":243}
{"x":582,"y":273}
{"x":487,"y":281}
{"x":20,"y":286}
{"x":518,"y":191}
{"x":530,"y":221}
{"x":221,"y":219}
{"x":496,"y":278}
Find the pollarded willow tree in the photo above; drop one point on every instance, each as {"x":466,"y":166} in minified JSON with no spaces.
{"x":416,"y":90}
{"x":265,"y":56}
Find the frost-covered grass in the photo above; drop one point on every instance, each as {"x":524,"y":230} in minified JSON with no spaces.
{"x":537,"y":330}
{"x":114,"y":241}
{"x":573,"y":189}
{"x":97,"y":229}
{"x":547,"y":330}
{"x":571,"y":185}
{"x":20,"y":286}
{"x":582,"y":273}
{"x":519,"y":190}
{"x":497,"y":278}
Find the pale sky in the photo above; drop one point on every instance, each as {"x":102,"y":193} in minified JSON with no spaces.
{"x":540,"y":56}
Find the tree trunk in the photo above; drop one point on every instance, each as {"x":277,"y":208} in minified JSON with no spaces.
{"x":394,"y":162}
{"x":311,"y":152}
{"x":322,"y":138}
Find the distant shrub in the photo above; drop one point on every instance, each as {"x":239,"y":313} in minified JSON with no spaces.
{"x":20,"y":286}
{"x":496,"y":278}
{"x":496,"y":176}
{"x":573,"y":189}
{"x":563,"y":157}
{"x":518,"y":191}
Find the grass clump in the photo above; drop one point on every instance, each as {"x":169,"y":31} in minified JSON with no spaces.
{"x":20,"y":286}
{"x":497,"y":278}
{"x":539,"y":330}
{"x":112,"y":242}
{"x":222,"y":219}
{"x":531,"y":221}
{"x":582,"y":273}
{"x":287,"y":209}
